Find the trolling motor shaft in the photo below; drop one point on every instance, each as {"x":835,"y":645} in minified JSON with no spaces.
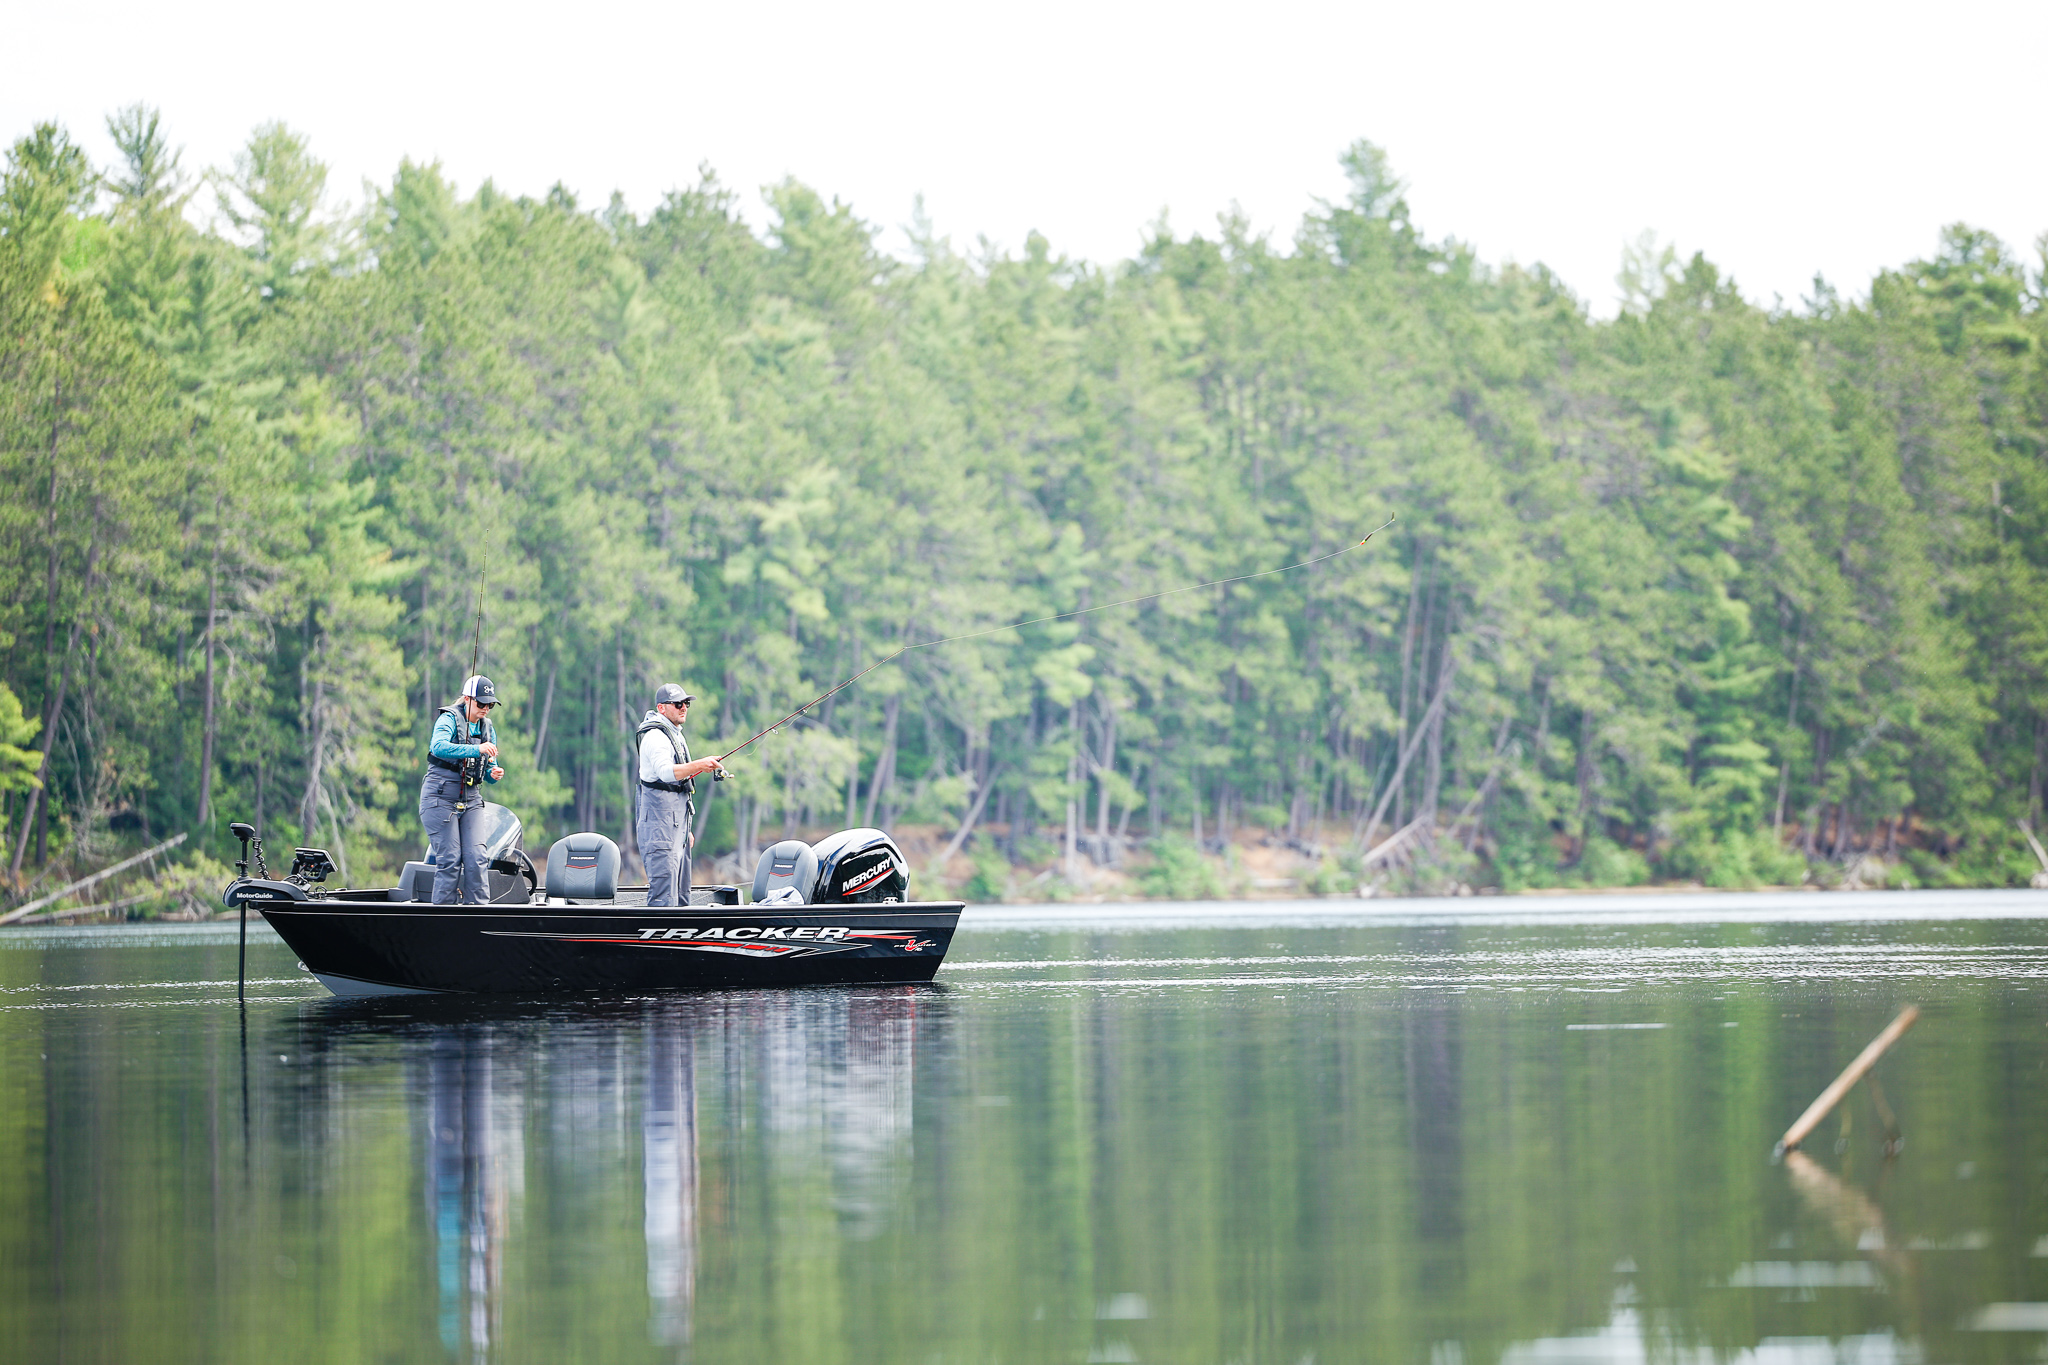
{"x":246,"y":833}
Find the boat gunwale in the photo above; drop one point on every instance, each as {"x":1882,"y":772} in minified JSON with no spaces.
{"x":330,"y":905}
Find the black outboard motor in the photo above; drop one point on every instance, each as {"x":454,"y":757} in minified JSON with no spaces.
{"x":861,"y":867}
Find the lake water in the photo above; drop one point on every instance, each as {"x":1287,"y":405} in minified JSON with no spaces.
{"x":1530,"y":1130}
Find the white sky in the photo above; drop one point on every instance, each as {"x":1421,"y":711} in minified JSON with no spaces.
{"x":1779,"y":138}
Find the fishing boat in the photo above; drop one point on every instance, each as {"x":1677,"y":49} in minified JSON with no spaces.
{"x":838,"y":912}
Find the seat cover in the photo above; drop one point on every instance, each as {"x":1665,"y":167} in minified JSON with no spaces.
{"x":583,"y":867}
{"x":790,"y":864}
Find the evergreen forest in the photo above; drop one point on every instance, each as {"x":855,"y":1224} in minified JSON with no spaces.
{"x":1709,"y":592}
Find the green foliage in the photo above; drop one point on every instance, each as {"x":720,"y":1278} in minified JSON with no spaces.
{"x":1334,"y":877}
{"x":18,"y":762}
{"x":991,"y":881}
{"x":192,"y":887}
{"x":1602,"y":862}
{"x":1179,"y":872}
{"x":1748,"y":594}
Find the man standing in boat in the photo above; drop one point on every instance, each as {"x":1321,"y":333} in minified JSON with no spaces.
{"x":667,"y":814}
{"x":461,"y":757}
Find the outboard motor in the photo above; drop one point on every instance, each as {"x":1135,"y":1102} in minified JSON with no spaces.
{"x":501,"y":833}
{"x":861,"y":866}
{"x":583,"y":867}
{"x":503,"y":856}
{"x":509,"y":873}
{"x":788,"y":870}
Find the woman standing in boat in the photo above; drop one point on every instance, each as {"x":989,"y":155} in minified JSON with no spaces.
{"x":461,"y":757}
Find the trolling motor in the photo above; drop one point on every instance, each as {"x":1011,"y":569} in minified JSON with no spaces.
{"x":246,"y":833}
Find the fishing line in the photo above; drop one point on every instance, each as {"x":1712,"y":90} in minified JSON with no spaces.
{"x":476,"y":645}
{"x":1057,"y":616}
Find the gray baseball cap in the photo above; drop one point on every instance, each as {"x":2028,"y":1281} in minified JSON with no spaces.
{"x":671,"y":694}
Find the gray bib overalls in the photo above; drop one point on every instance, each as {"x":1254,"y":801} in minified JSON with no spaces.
{"x":663,"y":828}
{"x":451,"y":808}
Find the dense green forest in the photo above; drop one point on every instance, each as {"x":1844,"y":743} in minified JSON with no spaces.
{"x":1709,"y":591}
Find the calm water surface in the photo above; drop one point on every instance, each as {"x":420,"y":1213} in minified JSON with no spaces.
{"x":1538,"y":1131}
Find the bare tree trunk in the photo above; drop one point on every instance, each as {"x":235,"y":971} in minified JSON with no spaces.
{"x":1408,"y":628}
{"x":38,"y":802}
{"x":628,"y":842}
{"x":1103,"y":770}
{"x":967,"y":823}
{"x":591,"y":721}
{"x":1362,"y":836}
{"x":1433,"y":780}
{"x":1588,"y":769}
{"x":547,"y":709}
{"x":309,"y":803}
{"x":2034,"y":776}
{"x":1820,"y":772}
{"x":1070,"y":867}
{"x":206,"y":713}
{"x":1411,"y":628}
{"x":50,"y":540}
{"x":1791,"y":720}
{"x":789,"y":803}
{"x":426,"y":661}
{"x":885,"y":762}
{"x":37,"y":812}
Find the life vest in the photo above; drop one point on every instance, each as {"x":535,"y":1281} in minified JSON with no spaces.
{"x":470,"y":769}
{"x":657,"y":721}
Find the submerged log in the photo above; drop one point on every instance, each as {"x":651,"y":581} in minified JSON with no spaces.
{"x":1851,"y":1074}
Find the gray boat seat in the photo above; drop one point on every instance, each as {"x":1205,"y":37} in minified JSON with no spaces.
{"x":415,"y":883}
{"x":791,"y":864}
{"x":583,"y":867}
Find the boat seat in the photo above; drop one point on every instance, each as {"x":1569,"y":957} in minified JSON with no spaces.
{"x":790,"y":864}
{"x":583,"y":867}
{"x":415,"y":883}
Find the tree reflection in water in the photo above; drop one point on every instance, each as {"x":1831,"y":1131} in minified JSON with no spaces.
{"x":1418,"y":1144}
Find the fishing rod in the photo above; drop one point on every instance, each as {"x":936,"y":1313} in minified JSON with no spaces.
{"x":1042,"y":620}
{"x":476,"y":645}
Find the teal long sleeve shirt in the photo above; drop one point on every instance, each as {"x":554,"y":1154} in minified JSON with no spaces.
{"x":446,"y":747}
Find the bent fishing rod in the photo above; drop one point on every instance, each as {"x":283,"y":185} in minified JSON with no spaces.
{"x":476,"y":644}
{"x":1039,"y":621}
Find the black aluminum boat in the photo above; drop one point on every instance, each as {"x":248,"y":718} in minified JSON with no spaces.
{"x":835,"y":913}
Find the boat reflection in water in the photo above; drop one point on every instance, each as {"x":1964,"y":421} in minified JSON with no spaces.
{"x":668,"y":1172}
{"x":474,"y":1170}
{"x":824,"y":1077}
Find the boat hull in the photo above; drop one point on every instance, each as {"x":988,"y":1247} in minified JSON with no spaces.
{"x":364,"y":948}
